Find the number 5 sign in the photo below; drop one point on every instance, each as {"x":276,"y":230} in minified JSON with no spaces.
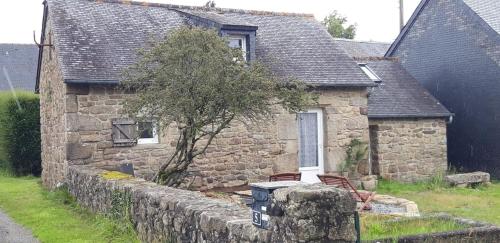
{"x":257,"y":218}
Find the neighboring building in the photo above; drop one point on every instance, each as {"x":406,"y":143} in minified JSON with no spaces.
{"x":93,"y":41}
{"x":407,"y":124}
{"x":18,"y":66}
{"x":453,"y":48}
{"x":356,"y":48}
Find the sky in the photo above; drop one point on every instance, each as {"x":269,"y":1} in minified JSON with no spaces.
{"x":377,"y":20}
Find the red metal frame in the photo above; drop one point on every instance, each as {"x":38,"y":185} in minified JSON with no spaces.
{"x":285,"y":177}
{"x":344,"y":183}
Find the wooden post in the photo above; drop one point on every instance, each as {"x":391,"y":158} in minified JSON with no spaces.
{"x":401,"y":15}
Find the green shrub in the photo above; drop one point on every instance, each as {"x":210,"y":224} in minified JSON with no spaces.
{"x":20,"y":133}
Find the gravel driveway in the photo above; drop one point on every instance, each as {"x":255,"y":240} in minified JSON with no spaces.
{"x":11,"y":232}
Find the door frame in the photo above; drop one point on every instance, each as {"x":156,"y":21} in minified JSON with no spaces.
{"x":321,"y":163}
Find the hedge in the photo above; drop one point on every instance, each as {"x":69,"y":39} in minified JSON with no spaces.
{"x":20,"y":133}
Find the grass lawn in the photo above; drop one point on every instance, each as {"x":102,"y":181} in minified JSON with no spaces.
{"x":54,"y":216}
{"x":375,"y":227}
{"x":481,"y":204}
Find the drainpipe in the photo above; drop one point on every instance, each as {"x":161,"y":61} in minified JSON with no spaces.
{"x":369,"y":158}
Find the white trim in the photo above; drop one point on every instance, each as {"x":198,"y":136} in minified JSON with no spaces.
{"x":321,"y":163}
{"x":153,"y":140}
{"x":243,"y":39}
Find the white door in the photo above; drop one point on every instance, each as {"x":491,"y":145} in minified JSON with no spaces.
{"x":311,"y":145}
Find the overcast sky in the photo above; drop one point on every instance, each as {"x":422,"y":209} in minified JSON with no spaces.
{"x":377,"y":20}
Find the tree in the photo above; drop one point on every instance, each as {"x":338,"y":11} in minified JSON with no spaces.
{"x":210,"y":4}
{"x":194,"y":81}
{"x":335,"y":25}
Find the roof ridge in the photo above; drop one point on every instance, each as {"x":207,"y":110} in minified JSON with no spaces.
{"x":362,"y":41}
{"x":24,"y":44}
{"x":376,"y":58}
{"x":407,"y":27}
{"x":187,"y":7}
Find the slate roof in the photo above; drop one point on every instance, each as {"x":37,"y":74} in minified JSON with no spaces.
{"x":355,"y":48}
{"x":488,"y":10}
{"x":484,"y":12}
{"x":96,"y":40}
{"x":399,"y":95}
{"x":20,"y":62}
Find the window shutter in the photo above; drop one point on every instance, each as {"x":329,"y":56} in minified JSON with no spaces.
{"x":124,"y":132}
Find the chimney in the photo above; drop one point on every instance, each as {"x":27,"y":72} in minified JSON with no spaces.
{"x":401,"y":13}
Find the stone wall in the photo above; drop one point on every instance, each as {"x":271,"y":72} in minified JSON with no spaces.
{"x":313,"y":213}
{"x":52,"y":118}
{"x":408,"y":150}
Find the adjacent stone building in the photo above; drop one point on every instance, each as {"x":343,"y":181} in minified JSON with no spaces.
{"x":407,"y":124}
{"x":91,"y":42}
{"x":453,"y":48}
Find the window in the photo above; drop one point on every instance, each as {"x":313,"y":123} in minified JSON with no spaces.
{"x":239,"y":42}
{"x":147,"y":132}
{"x":369,"y":72}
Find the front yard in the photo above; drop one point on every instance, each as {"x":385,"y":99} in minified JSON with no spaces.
{"x":54,"y":216}
{"x":480,"y":204}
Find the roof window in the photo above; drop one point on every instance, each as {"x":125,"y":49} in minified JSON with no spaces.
{"x":370,"y":73}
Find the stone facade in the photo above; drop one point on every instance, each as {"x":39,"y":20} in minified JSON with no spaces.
{"x":77,"y":129}
{"x":52,"y":118}
{"x":163,"y":214}
{"x":239,"y":155}
{"x":408,"y":150}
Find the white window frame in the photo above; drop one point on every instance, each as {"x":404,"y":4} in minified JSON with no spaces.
{"x":321,"y":162}
{"x":154,"y":139}
{"x":243,"y":39}
{"x":369,"y":72}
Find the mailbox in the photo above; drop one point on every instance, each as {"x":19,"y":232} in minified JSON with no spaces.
{"x":261,"y":194}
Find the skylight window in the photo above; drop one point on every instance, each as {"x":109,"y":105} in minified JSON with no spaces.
{"x":370,"y":73}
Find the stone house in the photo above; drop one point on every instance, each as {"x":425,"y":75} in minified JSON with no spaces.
{"x":407,"y":124}
{"x":91,"y":42}
{"x":19,"y":63}
{"x":453,"y":48}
